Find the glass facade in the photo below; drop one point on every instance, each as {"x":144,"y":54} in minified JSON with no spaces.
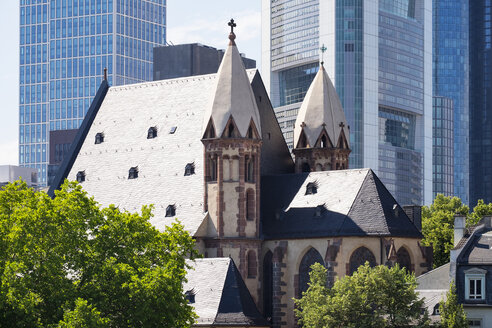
{"x":450,"y":78}
{"x":64,"y":48}
{"x":295,"y":82}
{"x":442,"y":146}
{"x":480,"y":101}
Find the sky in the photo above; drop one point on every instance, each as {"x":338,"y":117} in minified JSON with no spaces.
{"x":188,"y":21}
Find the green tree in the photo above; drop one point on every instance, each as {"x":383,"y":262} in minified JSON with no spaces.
{"x":371,"y":297}
{"x":83,"y":316}
{"x":438,"y":225}
{"x":479,"y":211}
{"x":452,"y":314}
{"x":54,"y":251}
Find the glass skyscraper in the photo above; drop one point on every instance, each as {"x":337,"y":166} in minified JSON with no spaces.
{"x":64,"y":47}
{"x":379,"y":56}
{"x":480,"y":101}
{"x":451,"y":80}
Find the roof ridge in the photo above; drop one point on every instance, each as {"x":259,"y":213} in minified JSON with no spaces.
{"x":379,"y":198}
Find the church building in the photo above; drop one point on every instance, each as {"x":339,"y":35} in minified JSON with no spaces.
{"x":208,"y":150}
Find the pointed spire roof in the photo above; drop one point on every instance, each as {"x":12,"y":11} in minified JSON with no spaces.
{"x":233,"y":96}
{"x":321,"y":109}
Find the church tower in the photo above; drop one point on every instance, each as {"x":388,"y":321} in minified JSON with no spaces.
{"x":321,"y":133}
{"x":231,"y":136}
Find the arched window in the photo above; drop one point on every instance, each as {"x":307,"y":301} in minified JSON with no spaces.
{"x":189,"y":169}
{"x":311,"y":188}
{"x":133,"y":173}
{"x":324,"y":141}
{"x":250,"y":205}
{"x":252,"y":265}
{"x":212,"y":168}
{"x":359,"y":257}
{"x":171,"y":211}
{"x":268,"y":285}
{"x":305,"y":167}
{"x":403,"y":259}
{"x":319,"y":167}
{"x":311,"y":257}
{"x":249,"y":169}
{"x":99,"y":138}
{"x":81,"y":176}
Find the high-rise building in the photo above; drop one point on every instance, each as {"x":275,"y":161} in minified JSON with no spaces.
{"x":442,"y":146}
{"x":191,"y":59}
{"x":480,"y":101}
{"x":379,"y":54}
{"x":451,"y":80}
{"x":64,"y":48}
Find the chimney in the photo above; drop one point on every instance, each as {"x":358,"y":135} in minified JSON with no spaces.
{"x":487,"y":221}
{"x":414,"y":213}
{"x":459,"y":228}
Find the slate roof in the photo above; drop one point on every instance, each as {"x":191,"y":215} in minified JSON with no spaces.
{"x":352,"y":203}
{"x":221,"y":297}
{"x":479,"y":250}
{"x":321,"y":108}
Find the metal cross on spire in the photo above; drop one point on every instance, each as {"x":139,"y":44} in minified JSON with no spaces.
{"x":232,"y":36}
{"x":323,"y":49}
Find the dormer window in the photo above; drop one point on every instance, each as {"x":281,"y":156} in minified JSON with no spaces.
{"x":475,"y":284}
{"x":133,"y":173}
{"x":80,"y":176}
{"x":99,"y":138}
{"x":189,"y":169}
{"x":311,"y":188}
{"x":190,"y":296}
{"x":320,"y":209}
{"x":152,"y":132}
{"x":173,"y":129}
{"x":171,"y":211}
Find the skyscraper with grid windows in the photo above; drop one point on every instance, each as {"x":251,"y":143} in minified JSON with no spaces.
{"x":64,"y":47}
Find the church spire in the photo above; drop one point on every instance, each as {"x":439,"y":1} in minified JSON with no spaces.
{"x":233,"y":112}
{"x":321,"y":127}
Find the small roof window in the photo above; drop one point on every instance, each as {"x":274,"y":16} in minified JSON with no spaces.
{"x":133,"y":173}
{"x":99,"y":138}
{"x":81,"y":176}
{"x":190,"y":296}
{"x":189,"y":169}
{"x":173,"y":129}
{"x":152,"y":132}
{"x":311,"y":188}
{"x":320,"y":210}
{"x":171,"y":211}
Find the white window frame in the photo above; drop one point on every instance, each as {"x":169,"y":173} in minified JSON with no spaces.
{"x":474,"y":321}
{"x":475,"y":274}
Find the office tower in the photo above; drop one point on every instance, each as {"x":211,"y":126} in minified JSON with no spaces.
{"x":379,"y":55}
{"x":442,"y":146}
{"x":189,"y":59}
{"x":480,"y":102}
{"x":64,"y":48}
{"x":451,"y":80}
{"x":11,"y":173}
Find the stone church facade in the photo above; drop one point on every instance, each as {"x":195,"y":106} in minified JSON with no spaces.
{"x":208,"y":150}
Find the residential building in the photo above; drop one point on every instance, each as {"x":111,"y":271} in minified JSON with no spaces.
{"x":451,"y":80}
{"x":11,"y":173}
{"x":442,"y":146}
{"x":379,"y":54}
{"x":208,"y":150}
{"x":64,"y":48}
{"x":480,"y":101}
{"x":182,"y":60}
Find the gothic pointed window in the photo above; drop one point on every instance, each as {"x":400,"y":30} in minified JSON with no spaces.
{"x":359,"y":257}
{"x":311,"y":188}
{"x":212,"y":168}
{"x":250,"y":132}
{"x":324,"y":141}
{"x":133,"y":173}
{"x":99,"y":138}
{"x":189,"y":169}
{"x":171,"y":211}
{"x":312,"y":256}
{"x":81,"y":176}
{"x":403,"y":259}
{"x":250,"y":205}
{"x":152,"y":132}
{"x":252,"y":266}
{"x":249,"y":169}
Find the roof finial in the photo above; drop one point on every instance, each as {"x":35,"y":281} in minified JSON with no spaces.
{"x":323,"y":49}
{"x":105,"y":73}
{"x":232,"y":36}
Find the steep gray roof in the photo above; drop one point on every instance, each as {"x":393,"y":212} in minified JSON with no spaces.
{"x":479,"y":250}
{"x":347,"y":203}
{"x":233,"y":96}
{"x":221,"y":297}
{"x":321,"y":108}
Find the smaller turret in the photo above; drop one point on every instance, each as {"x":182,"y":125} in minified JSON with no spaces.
{"x":321,"y":133}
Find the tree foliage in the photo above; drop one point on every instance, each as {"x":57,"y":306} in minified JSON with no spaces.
{"x":452,"y":314}
{"x":438,"y":223}
{"x":372,"y":297}
{"x":56,"y":251}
